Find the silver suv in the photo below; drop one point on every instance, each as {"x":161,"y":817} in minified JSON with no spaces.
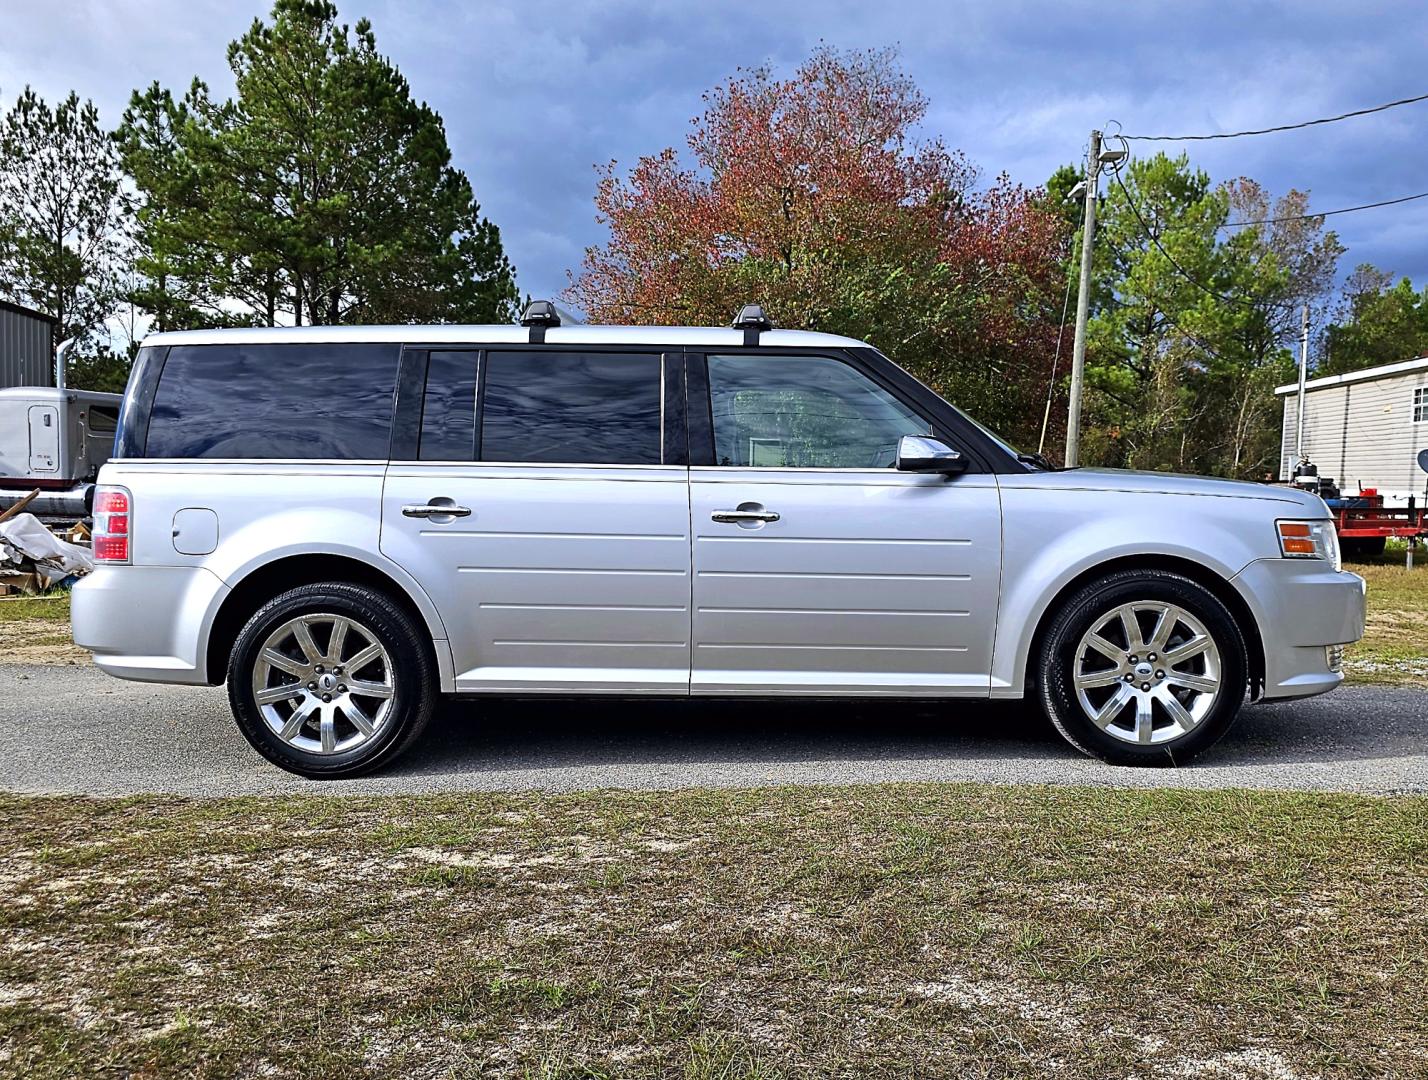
{"x":346,"y":522}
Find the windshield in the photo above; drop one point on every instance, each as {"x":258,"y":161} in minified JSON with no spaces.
{"x":989,"y":433}
{"x":1035,"y":461}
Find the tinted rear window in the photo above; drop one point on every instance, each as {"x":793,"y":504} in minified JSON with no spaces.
{"x":448,"y":414}
{"x":323,"y":400}
{"x":581,"y":408}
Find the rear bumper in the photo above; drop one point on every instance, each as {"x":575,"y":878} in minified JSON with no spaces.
{"x":147,"y":622}
{"x":1302,"y":606}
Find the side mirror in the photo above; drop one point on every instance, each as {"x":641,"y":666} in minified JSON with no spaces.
{"x":922,"y":453}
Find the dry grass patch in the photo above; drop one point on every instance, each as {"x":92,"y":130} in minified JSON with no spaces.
{"x":862,"y":931}
{"x":35,"y":630}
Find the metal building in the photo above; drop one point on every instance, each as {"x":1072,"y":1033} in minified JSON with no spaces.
{"x":1363,"y":429}
{"x":27,"y":343}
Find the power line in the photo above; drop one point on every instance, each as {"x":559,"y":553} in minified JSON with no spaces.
{"x":1279,"y":127}
{"x":1325,"y":213}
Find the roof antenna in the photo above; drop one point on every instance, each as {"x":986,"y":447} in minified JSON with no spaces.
{"x":752,"y":321}
{"x":539,"y":315}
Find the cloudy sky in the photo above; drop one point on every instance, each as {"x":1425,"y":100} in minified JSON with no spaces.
{"x":534,"y":94}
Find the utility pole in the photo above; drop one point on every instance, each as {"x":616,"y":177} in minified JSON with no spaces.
{"x":1083,"y":305}
{"x":1303,"y":376}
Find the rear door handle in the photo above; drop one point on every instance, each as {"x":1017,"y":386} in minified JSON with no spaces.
{"x":735,"y":516}
{"x":432,"y":510}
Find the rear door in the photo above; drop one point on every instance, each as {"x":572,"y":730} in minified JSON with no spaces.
{"x":542,"y":501}
{"x":819,"y":568}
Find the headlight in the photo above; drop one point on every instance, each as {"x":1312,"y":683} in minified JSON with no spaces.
{"x":1309,"y":540}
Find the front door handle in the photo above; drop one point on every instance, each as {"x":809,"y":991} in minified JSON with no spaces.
{"x":435,"y":510}
{"x":736,"y":516}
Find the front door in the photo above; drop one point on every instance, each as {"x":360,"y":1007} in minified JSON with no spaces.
{"x":551,"y":524}
{"x":818,"y":568}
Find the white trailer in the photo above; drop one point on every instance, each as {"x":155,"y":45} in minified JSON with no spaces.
{"x":55,"y":439}
{"x":1363,"y":429}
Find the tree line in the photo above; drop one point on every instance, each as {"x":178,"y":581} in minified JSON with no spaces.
{"x":812,"y":194}
{"x":323,"y":191}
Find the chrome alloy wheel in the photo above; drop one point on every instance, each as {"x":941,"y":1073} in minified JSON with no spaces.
{"x":1147,"y":672}
{"x":323,"y":683}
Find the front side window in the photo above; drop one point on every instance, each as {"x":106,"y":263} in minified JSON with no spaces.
{"x":804,"y":412}
{"x":571,"y":407}
{"x":1420,"y":405}
{"x":324,"y":400}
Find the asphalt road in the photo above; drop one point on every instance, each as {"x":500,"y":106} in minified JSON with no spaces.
{"x":75,"y":730}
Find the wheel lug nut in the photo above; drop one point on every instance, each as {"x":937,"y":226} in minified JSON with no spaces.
{"x":1133,"y":660}
{"x":1130,"y":677}
{"x":341,"y":689}
{"x":326,"y":697}
{"x":1151,"y":658}
{"x":1160,"y":674}
{"x":337,"y":671}
{"x":312,"y":686}
{"x":1145,"y":686}
{"x":318,"y":669}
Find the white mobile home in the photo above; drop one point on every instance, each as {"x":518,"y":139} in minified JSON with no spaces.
{"x":1363,"y":429}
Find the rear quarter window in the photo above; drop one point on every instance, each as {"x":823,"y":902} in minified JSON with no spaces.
{"x":324,"y":400}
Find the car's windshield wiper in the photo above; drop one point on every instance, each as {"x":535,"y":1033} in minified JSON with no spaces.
{"x":1041,"y":461}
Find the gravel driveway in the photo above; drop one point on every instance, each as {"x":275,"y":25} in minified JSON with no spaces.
{"x":74,"y":729}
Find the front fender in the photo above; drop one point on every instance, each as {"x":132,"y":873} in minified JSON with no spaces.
{"x":1053,"y":537}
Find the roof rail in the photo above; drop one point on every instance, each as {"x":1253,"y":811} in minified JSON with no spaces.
{"x":539,"y":315}
{"x":752,"y":321}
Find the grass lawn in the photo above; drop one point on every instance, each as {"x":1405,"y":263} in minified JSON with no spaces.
{"x":1395,"y":642}
{"x":929,"y":931}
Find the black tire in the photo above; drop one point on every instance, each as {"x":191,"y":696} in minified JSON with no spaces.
{"x":413,"y":677}
{"x":1091,"y":606}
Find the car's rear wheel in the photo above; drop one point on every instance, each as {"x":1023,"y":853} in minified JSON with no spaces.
{"x":331,"y":680}
{"x":1143,"y":667}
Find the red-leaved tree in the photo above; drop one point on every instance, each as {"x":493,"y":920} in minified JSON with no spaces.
{"x":811,"y":196}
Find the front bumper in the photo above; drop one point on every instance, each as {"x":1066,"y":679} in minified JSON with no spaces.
{"x":1301,"y":606}
{"x":147,"y":622}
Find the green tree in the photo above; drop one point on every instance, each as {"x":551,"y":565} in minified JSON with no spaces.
{"x":1380,"y":321}
{"x":1192,"y":323}
{"x":62,"y":213}
{"x":321,"y":193}
{"x":812,"y":195}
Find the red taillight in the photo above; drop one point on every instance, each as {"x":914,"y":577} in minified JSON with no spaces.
{"x":111,"y":525}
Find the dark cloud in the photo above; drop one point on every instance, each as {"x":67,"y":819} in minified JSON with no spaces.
{"x":535,"y":94}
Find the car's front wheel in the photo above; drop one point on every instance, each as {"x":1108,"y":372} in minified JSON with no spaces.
{"x":331,"y":680}
{"x":1143,"y":667}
